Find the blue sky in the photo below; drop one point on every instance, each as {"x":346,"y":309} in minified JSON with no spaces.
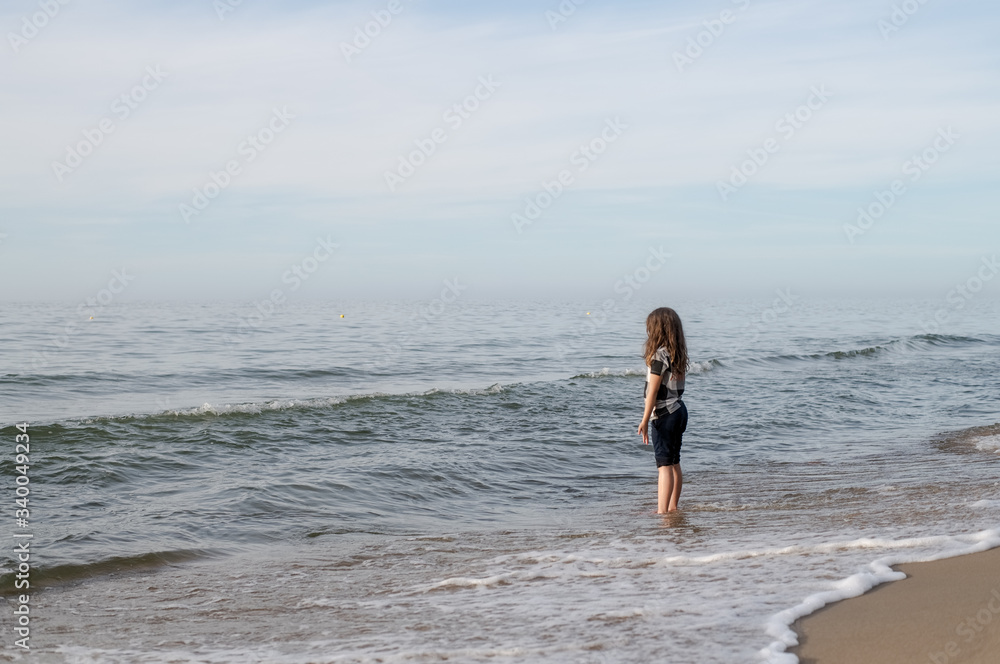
{"x":554,"y":87}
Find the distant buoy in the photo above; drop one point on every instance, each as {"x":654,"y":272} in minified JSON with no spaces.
{"x":341,"y":315}
{"x":588,"y":313}
{"x":91,"y":318}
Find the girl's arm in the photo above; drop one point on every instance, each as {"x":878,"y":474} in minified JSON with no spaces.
{"x":652,"y":389}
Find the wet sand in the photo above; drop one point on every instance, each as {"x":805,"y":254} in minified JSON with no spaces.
{"x":944,"y":612}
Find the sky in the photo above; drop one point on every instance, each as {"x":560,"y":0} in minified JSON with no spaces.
{"x":544,"y":149}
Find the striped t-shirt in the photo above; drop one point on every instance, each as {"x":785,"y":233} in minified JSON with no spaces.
{"x":668,"y":398}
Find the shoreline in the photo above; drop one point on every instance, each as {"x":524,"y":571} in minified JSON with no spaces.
{"x":945,"y":611}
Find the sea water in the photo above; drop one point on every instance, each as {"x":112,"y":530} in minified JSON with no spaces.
{"x":392,"y":482}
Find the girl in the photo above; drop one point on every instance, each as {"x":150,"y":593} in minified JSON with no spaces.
{"x":667,"y":360}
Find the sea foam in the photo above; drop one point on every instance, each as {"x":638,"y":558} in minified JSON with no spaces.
{"x":879,"y":571}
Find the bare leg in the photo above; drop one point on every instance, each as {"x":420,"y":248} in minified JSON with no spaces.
{"x":665,"y":488}
{"x":677,"y":482}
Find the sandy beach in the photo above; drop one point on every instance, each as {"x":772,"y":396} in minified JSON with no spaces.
{"x":944,"y":612}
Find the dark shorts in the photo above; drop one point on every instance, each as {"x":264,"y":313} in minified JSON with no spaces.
{"x":666,"y":434}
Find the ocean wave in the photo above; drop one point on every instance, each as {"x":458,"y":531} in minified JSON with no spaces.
{"x":608,"y":373}
{"x":693,"y":368}
{"x":256,"y":408}
{"x":703,"y":367}
{"x":208,"y":410}
{"x":252,"y":408}
{"x":904,"y":345}
{"x":908,"y":344}
{"x":942,"y":339}
{"x":355,"y":379}
{"x":42,"y":577}
{"x":912,"y":344}
{"x":207,"y":377}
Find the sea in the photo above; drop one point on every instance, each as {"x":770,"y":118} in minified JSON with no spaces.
{"x":462,"y":481}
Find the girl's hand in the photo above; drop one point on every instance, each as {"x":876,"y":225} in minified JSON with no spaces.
{"x":644,"y":431}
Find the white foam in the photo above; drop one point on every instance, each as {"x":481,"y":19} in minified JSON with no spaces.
{"x":255,"y":408}
{"x":607,"y":372}
{"x":989,"y":444}
{"x":779,"y":627}
{"x":701,"y":367}
{"x":495,"y":388}
{"x":744,"y":554}
{"x":258,"y":407}
{"x":320,"y":602}
{"x":467,"y":582}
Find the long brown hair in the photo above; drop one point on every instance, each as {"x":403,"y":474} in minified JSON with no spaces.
{"x":663,"y":328}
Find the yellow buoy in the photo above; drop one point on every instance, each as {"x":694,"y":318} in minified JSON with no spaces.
{"x":91,"y":318}
{"x":341,"y":315}
{"x":588,"y":313}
